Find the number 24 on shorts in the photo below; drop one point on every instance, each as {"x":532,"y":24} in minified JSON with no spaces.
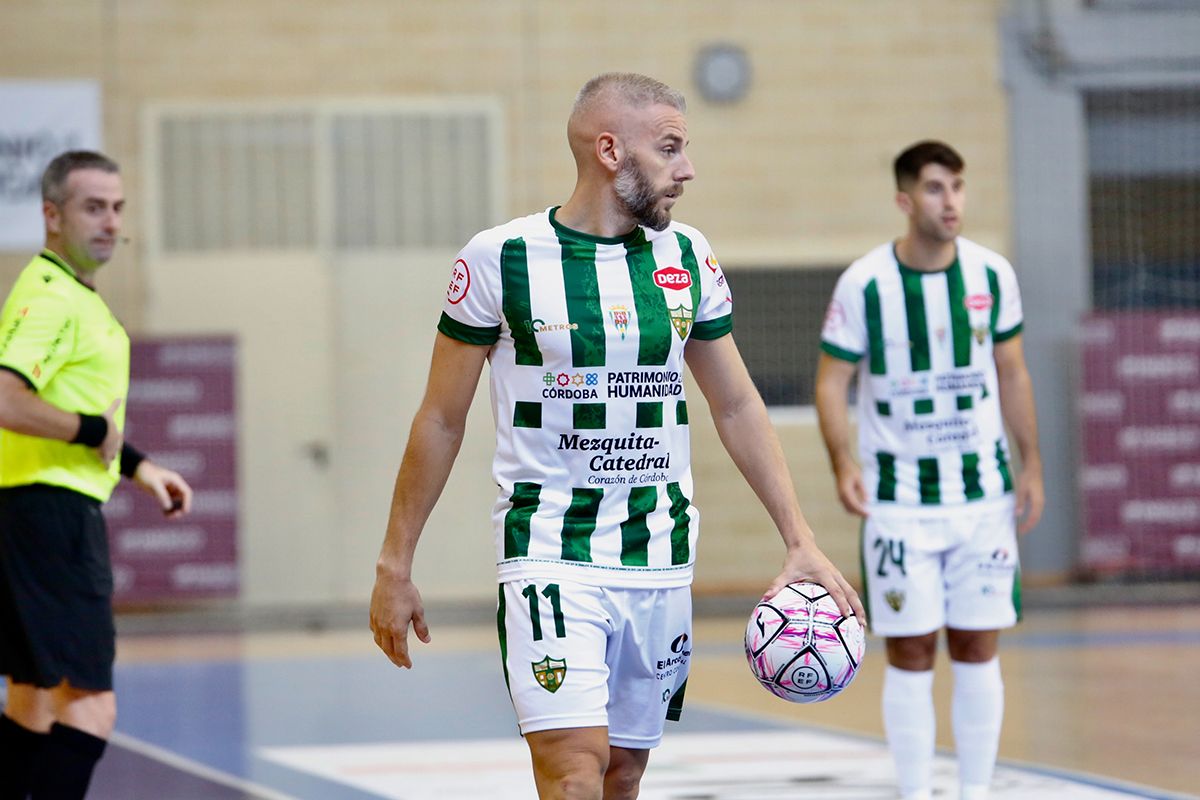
{"x":891,"y":551}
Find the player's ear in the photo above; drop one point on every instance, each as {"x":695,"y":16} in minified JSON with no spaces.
{"x":904,"y":202}
{"x":609,"y":151}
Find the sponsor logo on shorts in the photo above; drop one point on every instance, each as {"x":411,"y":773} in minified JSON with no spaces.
{"x":668,"y":667}
{"x":894,"y":598}
{"x":550,"y":673}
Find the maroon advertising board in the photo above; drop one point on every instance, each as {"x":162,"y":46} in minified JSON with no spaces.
{"x":181,"y":412}
{"x":1139,"y":477}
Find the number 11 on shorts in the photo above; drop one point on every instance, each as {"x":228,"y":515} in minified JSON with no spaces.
{"x":550,"y":593}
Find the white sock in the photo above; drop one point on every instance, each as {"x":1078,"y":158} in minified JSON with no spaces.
{"x":911,"y":726}
{"x":977,"y":709}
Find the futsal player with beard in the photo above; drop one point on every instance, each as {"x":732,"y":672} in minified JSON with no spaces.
{"x":587,"y":312}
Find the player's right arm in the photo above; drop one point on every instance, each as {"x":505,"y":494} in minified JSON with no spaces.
{"x":433,"y":444}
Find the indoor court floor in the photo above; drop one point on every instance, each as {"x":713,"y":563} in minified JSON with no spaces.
{"x":1103,"y":702}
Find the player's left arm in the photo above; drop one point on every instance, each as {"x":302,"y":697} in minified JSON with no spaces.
{"x":746,"y":432}
{"x":1020,"y":415}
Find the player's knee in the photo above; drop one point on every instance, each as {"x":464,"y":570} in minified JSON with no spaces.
{"x":913,"y":653}
{"x":972,"y":647}
{"x":569,"y":764}
{"x":622,"y":783}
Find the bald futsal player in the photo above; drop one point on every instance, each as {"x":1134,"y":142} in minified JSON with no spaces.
{"x":587,"y":312}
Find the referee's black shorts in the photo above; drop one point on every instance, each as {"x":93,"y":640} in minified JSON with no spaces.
{"x":56,"y":583}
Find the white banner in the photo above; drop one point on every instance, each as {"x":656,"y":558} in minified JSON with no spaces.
{"x":39,"y":120}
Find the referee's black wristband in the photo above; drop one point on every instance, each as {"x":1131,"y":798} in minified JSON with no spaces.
{"x":92,"y":430}
{"x":130,"y":458}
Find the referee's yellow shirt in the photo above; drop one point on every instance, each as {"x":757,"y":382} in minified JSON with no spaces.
{"x":61,"y":337}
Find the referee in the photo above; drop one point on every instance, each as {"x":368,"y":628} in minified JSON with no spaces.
{"x":64,"y":375}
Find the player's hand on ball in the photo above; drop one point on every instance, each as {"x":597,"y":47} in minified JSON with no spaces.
{"x":806,"y":562}
{"x":395,"y":603}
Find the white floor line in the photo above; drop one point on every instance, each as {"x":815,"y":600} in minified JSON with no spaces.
{"x":204,"y":771}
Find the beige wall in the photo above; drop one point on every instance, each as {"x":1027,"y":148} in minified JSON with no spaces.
{"x":796,"y":174}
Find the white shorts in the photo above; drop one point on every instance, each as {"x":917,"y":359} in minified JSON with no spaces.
{"x":578,"y":656}
{"x":956,"y":569}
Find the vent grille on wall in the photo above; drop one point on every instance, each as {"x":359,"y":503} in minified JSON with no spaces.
{"x":317,"y":177}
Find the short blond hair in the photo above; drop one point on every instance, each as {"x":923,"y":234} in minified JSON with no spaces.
{"x":631,"y":88}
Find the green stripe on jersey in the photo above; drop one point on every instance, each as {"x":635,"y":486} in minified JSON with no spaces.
{"x":516,"y":522}
{"x":1004,"y":336}
{"x":918,"y":327}
{"x":467,"y":333}
{"x":713,"y":328}
{"x":930,"y":481}
{"x":681,"y":417}
{"x":579,"y":523}
{"x":650,"y":415}
{"x":635,"y":533}
{"x":994,"y":288}
{"x":514,"y":280}
{"x":960,"y":319}
{"x":839,"y":353}
{"x":887,"y":476}
{"x":583,"y":301}
{"x":687,"y":257}
{"x":970,"y":472}
{"x":654,"y":326}
{"x":588,"y":416}
{"x":1002,"y":465}
{"x":527,"y":414}
{"x":875,"y":329}
{"x":680,"y":551}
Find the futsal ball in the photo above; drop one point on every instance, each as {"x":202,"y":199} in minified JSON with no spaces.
{"x":799,"y":645}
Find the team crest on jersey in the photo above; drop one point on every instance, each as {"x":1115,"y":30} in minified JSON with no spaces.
{"x":550,"y":673}
{"x":675,"y":283}
{"x":980,"y":333}
{"x":894,"y":598}
{"x":681,"y":320}
{"x":620,"y":319}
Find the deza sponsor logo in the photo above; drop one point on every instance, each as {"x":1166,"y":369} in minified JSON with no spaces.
{"x":672,"y":278}
{"x":978,"y":302}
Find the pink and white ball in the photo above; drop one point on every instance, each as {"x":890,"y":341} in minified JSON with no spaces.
{"x":799,"y":645}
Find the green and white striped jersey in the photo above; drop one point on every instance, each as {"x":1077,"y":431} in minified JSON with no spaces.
{"x":587,"y":337}
{"x":930,"y":431}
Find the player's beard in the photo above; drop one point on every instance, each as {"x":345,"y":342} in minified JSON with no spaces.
{"x":634,"y":189}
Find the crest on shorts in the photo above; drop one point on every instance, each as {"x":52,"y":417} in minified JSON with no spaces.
{"x":550,"y":673}
{"x":895,"y":599}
